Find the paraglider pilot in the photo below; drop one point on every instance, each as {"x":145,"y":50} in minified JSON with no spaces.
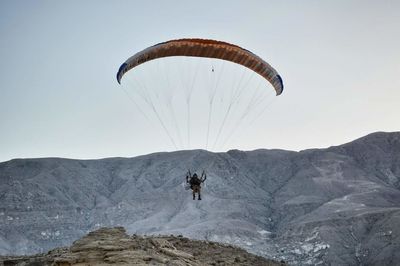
{"x":195,"y":183}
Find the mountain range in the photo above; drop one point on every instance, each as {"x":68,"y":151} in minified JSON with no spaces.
{"x":333,"y":206}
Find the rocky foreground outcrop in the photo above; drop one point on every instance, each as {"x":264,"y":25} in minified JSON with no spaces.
{"x":114,"y":246}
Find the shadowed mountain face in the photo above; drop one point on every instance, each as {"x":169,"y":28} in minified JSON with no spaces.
{"x":339,"y":205}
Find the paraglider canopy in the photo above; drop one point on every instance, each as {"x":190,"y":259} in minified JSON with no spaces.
{"x":205,"y":48}
{"x":224,"y":97}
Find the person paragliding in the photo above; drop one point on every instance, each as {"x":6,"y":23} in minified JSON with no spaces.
{"x":195,"y":183}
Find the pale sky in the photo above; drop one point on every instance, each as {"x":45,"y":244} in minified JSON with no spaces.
{"x":339,"y":60}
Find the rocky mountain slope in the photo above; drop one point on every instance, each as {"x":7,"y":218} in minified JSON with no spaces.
{"x":338,"y":206}
{"x":108,"y":246}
